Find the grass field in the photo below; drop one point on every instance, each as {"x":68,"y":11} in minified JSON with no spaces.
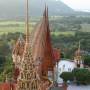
{"x":19,"y":26}
{"x":85,"y":27}
{"x":66,"y":33}
{"x":13,"y":26}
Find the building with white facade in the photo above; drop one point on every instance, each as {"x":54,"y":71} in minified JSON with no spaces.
{"x":64,"y":66}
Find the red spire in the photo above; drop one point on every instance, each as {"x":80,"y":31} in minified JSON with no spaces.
{"x":42,"y":47}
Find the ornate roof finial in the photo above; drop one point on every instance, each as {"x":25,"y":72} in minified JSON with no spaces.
{"x":79,"y":45}
{"x":79,"y":51}
{"x":27,"y":22}
{"x":45,"y":11}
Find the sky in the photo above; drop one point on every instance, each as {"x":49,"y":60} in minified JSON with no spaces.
{"x":78,"y":4}
{"x":75,"y":4}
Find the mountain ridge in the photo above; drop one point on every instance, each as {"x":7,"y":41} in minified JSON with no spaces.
{"x":36,"y":7}
{"x":16,"y":8}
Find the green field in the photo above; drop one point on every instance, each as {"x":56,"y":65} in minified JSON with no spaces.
{"x":66,"y":33}
{"x":13,"y":26}
{"x":85,"y":27}
{"x":19,"y":26}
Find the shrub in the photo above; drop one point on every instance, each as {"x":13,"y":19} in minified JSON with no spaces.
{"x":82,"y":76}
{"x":87,"y":60}
{"x":67,"y":76}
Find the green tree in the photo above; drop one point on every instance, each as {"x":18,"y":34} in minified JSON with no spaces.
{"x":67,"y":76}
{"x":87,"y":60}
{"x":82,"y":76}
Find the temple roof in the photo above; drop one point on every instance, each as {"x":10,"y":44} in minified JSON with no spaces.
{"x":19,"y":46}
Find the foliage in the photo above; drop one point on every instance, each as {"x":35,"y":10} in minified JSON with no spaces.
{"x":69,"y":43}
{"x":71,"y":23}
{"x":67,"y":76}
{"x":7,"y":69}
{"x":87,"y":60}
{"x":82,"y":76}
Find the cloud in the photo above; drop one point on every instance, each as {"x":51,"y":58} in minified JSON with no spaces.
{"x":78,"y":4}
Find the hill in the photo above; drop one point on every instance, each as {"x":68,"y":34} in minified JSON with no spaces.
{"x":16,"y":8}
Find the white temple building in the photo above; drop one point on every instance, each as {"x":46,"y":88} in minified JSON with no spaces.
{"x":64,"y":66}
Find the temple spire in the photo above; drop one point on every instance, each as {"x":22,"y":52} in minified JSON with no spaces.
{"x":47,"y":18}
{"x":45,"y":12}
{"x":79,"y":45}
{"x":27,"y":22}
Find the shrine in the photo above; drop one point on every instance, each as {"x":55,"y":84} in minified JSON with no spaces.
{"x":34,"y":57}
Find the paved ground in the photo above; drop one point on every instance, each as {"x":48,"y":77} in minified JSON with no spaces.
{"x":73,"y":87}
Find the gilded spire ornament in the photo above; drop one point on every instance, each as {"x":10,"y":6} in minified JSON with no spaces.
{"x":28,"y":78}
